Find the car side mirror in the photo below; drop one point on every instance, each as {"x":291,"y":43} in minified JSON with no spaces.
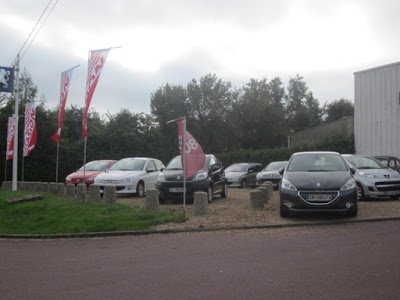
{"x":251,"y":170}
{"x":162,"y":169}
{"x":281,"y":171}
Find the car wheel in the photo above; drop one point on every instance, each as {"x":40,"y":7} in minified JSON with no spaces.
{"x":284,"y":211}
{"x":395,"y":197}
{"x":224,"y":192}
{"x":140,"y":189}
{"x":360,"y":193}
{"x":209,"y":194}
{"x":243,"y":184}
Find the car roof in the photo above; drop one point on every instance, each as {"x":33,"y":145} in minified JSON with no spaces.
{"x":316,"y":152}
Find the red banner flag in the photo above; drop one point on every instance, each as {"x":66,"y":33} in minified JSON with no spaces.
{"x":97,"y":60}
{"x":194,"y":154}
{"x":30,"y":128}
{"x":65,"y":80}
{"x":10,"y":138}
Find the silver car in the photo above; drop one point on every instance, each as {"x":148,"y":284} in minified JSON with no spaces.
{"x":271,"y":173}
{"x":373,"y":178}
{"x":133,"y":175}
{"x":242,"y":174}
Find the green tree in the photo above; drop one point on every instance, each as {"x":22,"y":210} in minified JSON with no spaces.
{"x":338,"y":109}
{"x":302,"y":109}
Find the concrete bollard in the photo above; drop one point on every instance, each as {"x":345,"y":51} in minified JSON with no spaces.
{"x":44,"y":187}
{"x":61,"y":189}
{"x":6,"y":185}
{"x":109,"y":194}
{"x":264,"y":190}
{"x":29,"y":186}
{"x":22,"y":186}
{"x":151,"y":201}
{"x":257,"y":199}
{"x":53,"y":187}
{"x":36,"y":186}
{"x":200,"y":203}
{"x":94,"y":193}
{"x":70,"y":190}
{"x":80,"y":193}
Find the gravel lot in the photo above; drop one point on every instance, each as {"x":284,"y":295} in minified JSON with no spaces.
{"x":235,"y":211}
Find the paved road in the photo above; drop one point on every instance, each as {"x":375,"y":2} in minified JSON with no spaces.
{"x":352,"y":261}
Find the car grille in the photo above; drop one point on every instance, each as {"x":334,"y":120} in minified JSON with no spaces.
{"x":387,"y":186}
{"x":319,"y":197}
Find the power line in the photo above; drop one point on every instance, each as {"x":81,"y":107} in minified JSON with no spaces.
{"x":37,"y":23}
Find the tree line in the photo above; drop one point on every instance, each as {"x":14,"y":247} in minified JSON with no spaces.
{"x":223,"y":118}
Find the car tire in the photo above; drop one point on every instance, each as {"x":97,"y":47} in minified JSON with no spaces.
{"x":243,"y":184}
{"x":209,"y":194}
{"x":284,"y":211}
{"x":360,"y":193}
{"x":140,"y":189}
{"x":224,"y":192}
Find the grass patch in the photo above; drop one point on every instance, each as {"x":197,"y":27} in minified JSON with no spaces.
{"x":55,"y":214}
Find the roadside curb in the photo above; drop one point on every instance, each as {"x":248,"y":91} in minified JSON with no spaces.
{"x":172,"y":231}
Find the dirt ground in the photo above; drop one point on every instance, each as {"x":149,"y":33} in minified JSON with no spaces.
{"x":236,"y":211}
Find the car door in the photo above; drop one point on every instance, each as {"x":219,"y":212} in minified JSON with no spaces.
{"x":151,"y":175}
{"x":251,"y":175}
{"x":397,"y":164}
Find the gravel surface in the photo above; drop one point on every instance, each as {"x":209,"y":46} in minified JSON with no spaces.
{"x":235,"y":211}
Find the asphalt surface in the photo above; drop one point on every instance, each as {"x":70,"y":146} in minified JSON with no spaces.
{"x":343,"y":261}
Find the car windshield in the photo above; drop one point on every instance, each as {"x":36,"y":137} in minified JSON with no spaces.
{"x":129,"y":164}
{"x":95,"y":166}
{"x":275,"y":166}
{"x":316,"y":162}
{"x":237,"y":168}
{"x":364,"y":162}
{"x":176,"y":164}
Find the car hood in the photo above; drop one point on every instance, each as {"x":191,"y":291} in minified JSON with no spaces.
{"x":326,"y":180}
{"x":386,"y":174}
{"x":79,"y":174}
{"x":177,"y":175}
{"x":117,"y":175}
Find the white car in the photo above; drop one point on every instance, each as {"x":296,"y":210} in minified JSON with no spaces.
{"x":133,"y":175}
{"x":373,"y":178}
{"x":271,"y":173}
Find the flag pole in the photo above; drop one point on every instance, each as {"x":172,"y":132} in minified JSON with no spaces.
{"x":184,"y":165}
{"x":84,"y":161}
{"x":58,"y":150}
{"x":15,"y":154}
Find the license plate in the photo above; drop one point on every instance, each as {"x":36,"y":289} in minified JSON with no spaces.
{"x":319,"y":197}
{"x":176,"y":190}
{"x":392,"y":193}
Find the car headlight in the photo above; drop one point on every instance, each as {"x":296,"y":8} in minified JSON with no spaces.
{"x":161,"y":177}
{"x":396,"y":174}
{"x":127,"y":179}
{"x":350,"y":184}
{"x":68,"y":178}
{"x":259,"y":175}
{"x":287,"y":185}
{"x":368,"y":175}
{"x":97,"y":179}
{"x":201,"y":175}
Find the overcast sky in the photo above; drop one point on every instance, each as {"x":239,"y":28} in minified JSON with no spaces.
{"x":175,"y":41}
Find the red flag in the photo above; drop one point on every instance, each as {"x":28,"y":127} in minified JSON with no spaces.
{"x":65,"y":80}
{"x":30,"y":128}
{"x":10,"y":138}
{"x":195,"y":157}
{"x":97,"y":60}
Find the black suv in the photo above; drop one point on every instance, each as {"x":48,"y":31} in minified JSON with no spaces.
{"x":210,"y":179}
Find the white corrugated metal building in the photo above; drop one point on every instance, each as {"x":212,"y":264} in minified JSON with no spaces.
{"x":377,"y":110}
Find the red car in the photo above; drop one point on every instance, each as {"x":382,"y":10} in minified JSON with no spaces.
{"x":92,"y":169}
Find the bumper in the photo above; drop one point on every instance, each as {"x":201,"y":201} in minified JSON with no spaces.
{"x":120,"y":188}
{"x":342,"y":201}
{"x":275,"y":181}
{"x":380,"y":189}
{"x":173,"y":190}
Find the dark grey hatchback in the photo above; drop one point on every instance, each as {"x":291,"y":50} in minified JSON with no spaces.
{"x":210,"y":179}
{"x":317,"y":182}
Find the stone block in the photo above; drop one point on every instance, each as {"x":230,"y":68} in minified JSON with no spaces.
{"x":109,"y":194}
{"x":70,"y":190}
{"x":53,"y":187}
{"x":6,"y":185}
{"x":264,"y":190}
{"x":80,"y":194}
{"x":151,"y":201}
{"x":44,"y":187}
{"x":61,"y":189}
{"x":200,"y":203}
{"x":94,"y":193}
{"x":257,"y":199}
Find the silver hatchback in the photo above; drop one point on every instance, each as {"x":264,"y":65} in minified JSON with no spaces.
{"x":373,"y":178}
